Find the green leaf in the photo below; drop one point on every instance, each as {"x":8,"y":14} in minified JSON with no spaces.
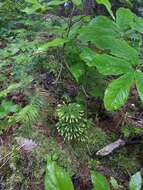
{"x":108,"y":6}
{"x":56,"y":178}
{"x":124,"y":17}
{"x":56,"y":2}
{"x":105,"y":34}
{"x":136,"y":182}
{"x":35,"y":5}
{"x":88,"y":55}
{"x":137,"y":25}
{"x":109,"y":65}
{"x":6,"y":105}
{"x":97,"y":91}
{"x":118,"y":47}
{"x":99,"y":26}
{"x":77,"y":70}
{"x":126,"y":20}
{"x":117,"y":92}
{"x":139,"y":84}
{"x":99,"y":181}
{"x":54,"y":43}
{"x":3,"y":113}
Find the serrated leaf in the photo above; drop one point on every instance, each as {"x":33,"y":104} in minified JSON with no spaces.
{"x":139,"y":84}
{"x":136,"y":182}
{"x":99,"y":181}
{"x":54,"y":43}
{"x":109,"y":65}
{"x":117,"y":92}
{"x":108,"y":6}
{"x":56,"y":178}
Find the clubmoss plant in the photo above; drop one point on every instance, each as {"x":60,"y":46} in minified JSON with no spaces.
{"x":72,"y":124}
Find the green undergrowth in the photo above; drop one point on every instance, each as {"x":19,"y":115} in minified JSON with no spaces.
{"x":25,"y":170}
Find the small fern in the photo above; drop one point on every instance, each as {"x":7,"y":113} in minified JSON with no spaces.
{"x":72,"y":125}
{"x":28,"y":115}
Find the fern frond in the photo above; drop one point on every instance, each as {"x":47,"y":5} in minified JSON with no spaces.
{"x":28,"y":115}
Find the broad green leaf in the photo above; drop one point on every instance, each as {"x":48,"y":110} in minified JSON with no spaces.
{"x":139,"y":84}
{"x":88,"y":55}
{"x":137,"y":25}
{"x":117,"y":92}
{"x":56,"y":178}
{"x":136,"y":182}
{"x":6,"y":105}
{"x":35,"y":5}
{"x":124,"y":17}
{"x":99,"y":26}
{"x":77,"y":70}
{"x":105,"y":34}
{"x":108,"y":6}
{"x":54,"y":43}
{"x":105,"y":24}
{"x":117,"y":47}
{"x":109,"y":65}
{"x":99,"y":181}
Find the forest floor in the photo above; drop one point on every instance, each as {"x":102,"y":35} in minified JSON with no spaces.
{"x":22,"y":167}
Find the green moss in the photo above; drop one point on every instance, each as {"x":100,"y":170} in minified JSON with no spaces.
{"x":131,"y":131}
{"x":83,"y":152}
{"x":48,"y":147}
{"x":97,"y":139}
{"x":27,"y":168}
{"x":122,"y":162}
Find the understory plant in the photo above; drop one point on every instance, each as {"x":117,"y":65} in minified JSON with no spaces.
{"x":72,"y":124}
{"x":57,"y":178}
{"x":111,"y":47}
